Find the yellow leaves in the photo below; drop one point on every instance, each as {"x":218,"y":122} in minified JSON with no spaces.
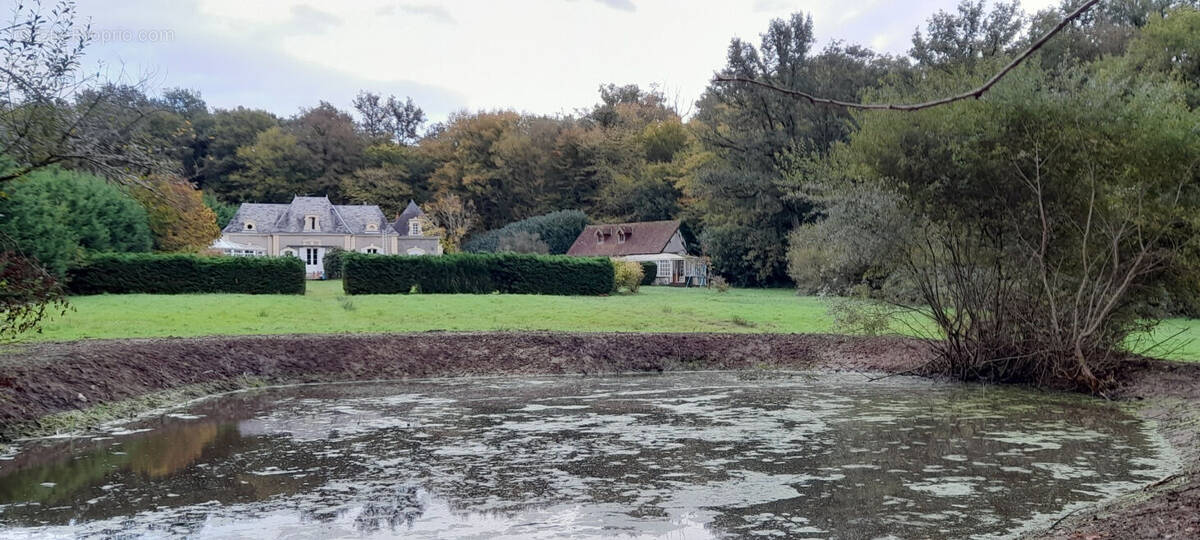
{"x":178,"y":216}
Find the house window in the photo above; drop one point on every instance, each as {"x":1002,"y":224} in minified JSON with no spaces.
{"x":310,"y":256}
{"x":664,"y":268}
{"x":311,"y":223}
{"x":249,"y":226}
{"x":372,"y":251}
{"x":414,"y":227}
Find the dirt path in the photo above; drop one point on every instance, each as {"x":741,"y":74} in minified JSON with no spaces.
{"x":45,"y":379}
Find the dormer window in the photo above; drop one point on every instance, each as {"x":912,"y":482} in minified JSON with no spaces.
{"x":414,"y":227}
{"x":311,"y":223}
{"x":620,"y":236}
{"x":372,"y":227}
{"x":248,"y":226}
{"x":599,"y":237}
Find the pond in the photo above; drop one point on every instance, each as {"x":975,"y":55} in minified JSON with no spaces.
{"x":692,"y":455}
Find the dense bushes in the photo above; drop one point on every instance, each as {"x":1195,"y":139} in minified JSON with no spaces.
{"x":180,"y":273}
{"x":56,"y":216}
{"x":476,"y":274}
{"x":649,"y":272}
{"x":557,"y":229}
{"x":627,"y":275}
{"x":333,"y":263}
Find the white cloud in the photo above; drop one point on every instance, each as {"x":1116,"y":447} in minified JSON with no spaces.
{"x":545,"y":56}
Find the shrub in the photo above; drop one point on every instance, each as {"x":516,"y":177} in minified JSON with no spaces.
{"x":649,"y":272}
{"x":856,"y":242}
{"x":185,"y":273}
{"x":626,"y":275}
{"x":522,"y":242}
{"x":860,"y":314}
{"x":557,"y":229}
{"x":333,"y":263}
{"x":56,"y":215}
{"x":472,"y":273}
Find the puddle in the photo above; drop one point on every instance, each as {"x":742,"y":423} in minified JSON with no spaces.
{"x":698,"y":455}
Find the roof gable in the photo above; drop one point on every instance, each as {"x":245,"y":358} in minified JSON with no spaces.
{"x":289,"y":218}
{"x":641,"y":238}
{"x":411,"y":211}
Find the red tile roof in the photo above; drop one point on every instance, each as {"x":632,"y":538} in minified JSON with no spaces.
{"x":640,"y":238}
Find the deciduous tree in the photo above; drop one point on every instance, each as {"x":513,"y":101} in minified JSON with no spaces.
{"x":178,"y":216}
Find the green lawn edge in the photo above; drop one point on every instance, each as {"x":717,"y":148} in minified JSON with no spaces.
{"x":325,"y":309}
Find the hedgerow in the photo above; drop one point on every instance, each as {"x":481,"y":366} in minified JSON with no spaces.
{"x":473,"y":273}
{"x":333,"y":263}
{"x":184,"y":273}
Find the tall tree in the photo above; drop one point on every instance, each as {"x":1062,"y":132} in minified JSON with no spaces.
{"x":389,"y":119}
{"x":968,"y":35}
{"x":57,"y":216}
{"x":754,"y":135}
{"x":329,"y":136}
{"x":178,"y":216}
{"x":229,"y":130}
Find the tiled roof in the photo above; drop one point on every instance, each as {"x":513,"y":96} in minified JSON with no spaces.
{"x":642,"y":238}
{"x":289,"y":218}
{"x":410,"y":211}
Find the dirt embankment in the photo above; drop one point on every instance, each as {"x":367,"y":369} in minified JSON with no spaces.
{"x":1169,"y":508}
{"x":44,"y":379}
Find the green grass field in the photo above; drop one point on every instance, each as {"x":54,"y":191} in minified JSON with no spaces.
{"x":326,"y":310}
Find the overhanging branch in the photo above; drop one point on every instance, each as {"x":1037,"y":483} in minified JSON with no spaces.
{"x":971,"y":94}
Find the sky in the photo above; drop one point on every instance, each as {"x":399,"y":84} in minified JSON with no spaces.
{"x":538,"y":56}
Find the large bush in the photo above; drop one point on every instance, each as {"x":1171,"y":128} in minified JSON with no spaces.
{"x":184,"y":273}
{"x":627,"y":275}
{"x":476,"y":274}
{"x":557,"y":229}
{"x":333,"y":263}
{"x":857,"y":242}
{"x":649,"y":272}
{"x":56,"y":216}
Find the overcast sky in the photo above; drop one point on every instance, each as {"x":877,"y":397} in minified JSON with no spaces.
{"x":542,"y":56}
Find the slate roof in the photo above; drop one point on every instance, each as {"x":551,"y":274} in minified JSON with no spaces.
{"x":289,"y":218}
{"x":410,"y":211}
{"x":643,"y":238}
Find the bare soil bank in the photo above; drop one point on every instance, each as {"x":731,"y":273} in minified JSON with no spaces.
{"x":49,"y":378}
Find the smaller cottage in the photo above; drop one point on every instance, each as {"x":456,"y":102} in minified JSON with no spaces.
{"x":659,"y":242}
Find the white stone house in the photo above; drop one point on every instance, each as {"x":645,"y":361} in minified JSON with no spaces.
{"x":309,"y":227}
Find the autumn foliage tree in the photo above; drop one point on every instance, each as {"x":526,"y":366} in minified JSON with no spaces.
{"x":178,"y":216}
{"x":453,"y":218}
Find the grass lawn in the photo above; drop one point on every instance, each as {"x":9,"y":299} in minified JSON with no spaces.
{"x":325,"y":309}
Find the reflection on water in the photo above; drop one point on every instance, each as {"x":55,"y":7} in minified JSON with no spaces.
{"x":673,"y":456}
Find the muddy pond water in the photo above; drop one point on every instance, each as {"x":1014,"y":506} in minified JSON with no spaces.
{"x":694,"y":455}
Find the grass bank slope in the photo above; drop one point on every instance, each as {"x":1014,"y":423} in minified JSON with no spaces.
{"x":326,"y":310}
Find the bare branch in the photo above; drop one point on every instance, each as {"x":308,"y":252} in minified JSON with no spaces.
{"x":970,"y":94}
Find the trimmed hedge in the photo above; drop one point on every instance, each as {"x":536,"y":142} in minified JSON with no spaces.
{"x":333,"y":263}
{"x":472,"y":273}
{"x":180,"y":273}
{"x":649,"y":272}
